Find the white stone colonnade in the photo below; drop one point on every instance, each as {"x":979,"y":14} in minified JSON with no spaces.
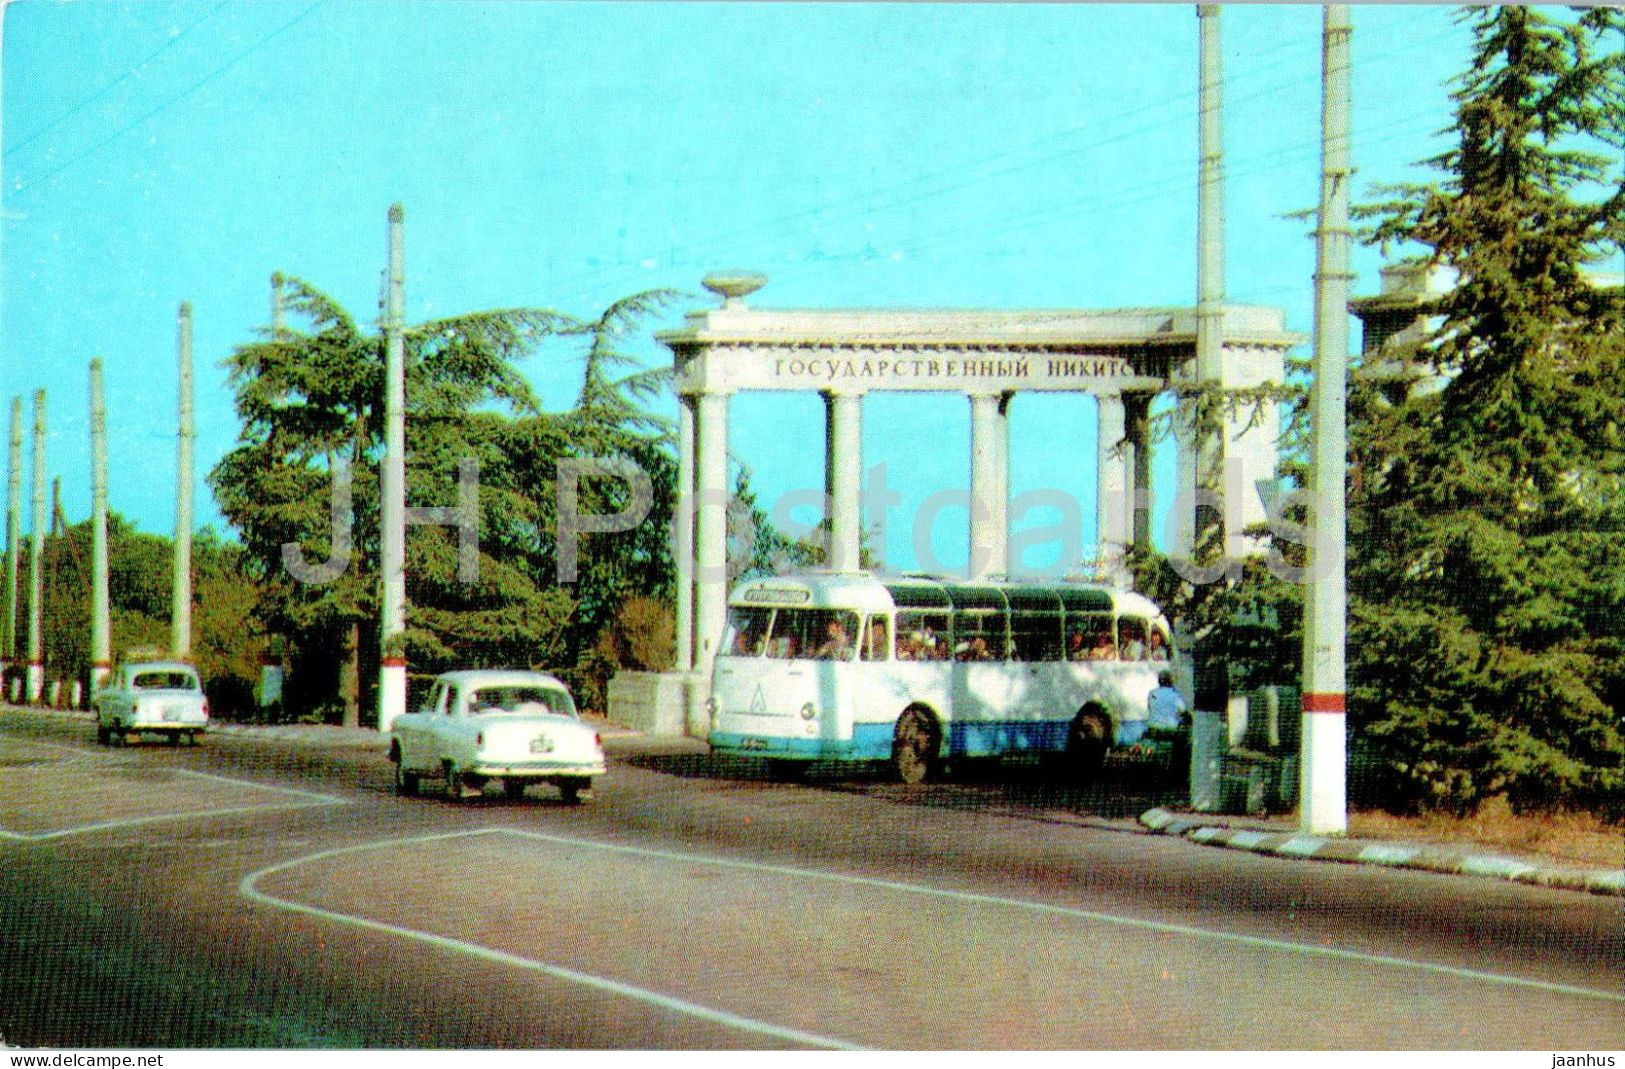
{"x":1122,"y":357}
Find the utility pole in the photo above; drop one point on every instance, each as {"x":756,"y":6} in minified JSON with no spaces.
{"x":276,"y":305}
{"x":1212,"y":683}
{"x":1323,"y":799}
{"x":14,"y":527}
{"x":180,"y":611}
{"x":36,"y":560}
{"x":392,"y":669}
{"x":101,"y":637}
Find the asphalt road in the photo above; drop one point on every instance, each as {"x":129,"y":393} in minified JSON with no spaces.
{"x":259,"y":891}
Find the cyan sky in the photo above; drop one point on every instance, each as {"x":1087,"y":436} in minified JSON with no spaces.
{"x":1014,"y":155}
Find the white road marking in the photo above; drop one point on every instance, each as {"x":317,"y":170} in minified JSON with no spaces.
{"x":980,"y":898}
{"x":312,"y":799}
{"x":250,"y":891}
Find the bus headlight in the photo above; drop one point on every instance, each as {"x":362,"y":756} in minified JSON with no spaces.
{"x":809,"y":711}
{"x":711,"y":706}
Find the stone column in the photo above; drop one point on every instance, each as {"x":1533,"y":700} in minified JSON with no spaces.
{"x":989,"y":484}
{"x":1137,"y":428}
{"x":710,"y":527}
{"x":1112,"y":529}
{"x":1001,"y":491}
{"x":843,"y":472}
{"x":1181,"y":541}
{"x":683,"y":534}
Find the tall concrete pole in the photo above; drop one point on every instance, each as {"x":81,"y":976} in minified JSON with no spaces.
{"x":1322,"y":805}
{"x":8,"y":654}
{"x":1204,"y":425}
{"x":1210,"y":203}
{"x":101,"y":635}
{"x":180,"y":609}
{"x":14,"y":527}
{"x":36,"y":561}
{"x":276,"y":305}
{"x":392,"y":672}
{"x":1209,"y":432}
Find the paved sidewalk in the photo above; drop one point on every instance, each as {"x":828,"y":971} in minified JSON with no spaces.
{"x":1236,"y":833}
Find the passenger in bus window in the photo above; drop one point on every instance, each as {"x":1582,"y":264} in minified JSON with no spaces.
{"x":875,"y":648}
{"x":976,"y":650}
{"x":1157,"y":649}
{"x":1104,"y":648}
{"x":1131,"y":633}
{"x":1075,"y":649}
{"x":837,"y":644}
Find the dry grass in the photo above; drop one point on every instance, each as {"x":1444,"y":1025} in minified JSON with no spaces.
{"x":1573,"y":839}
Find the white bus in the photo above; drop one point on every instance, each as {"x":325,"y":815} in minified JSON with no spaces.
{"x":916,"y":670}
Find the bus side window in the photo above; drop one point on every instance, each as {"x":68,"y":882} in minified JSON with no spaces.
{"x":922,"y":636}
{"x":874,"y":640}
{"x":979,"y":636}
{"x":1035,"y":636}
{"x":1157,"y":646}
{"x":1131,"y":638}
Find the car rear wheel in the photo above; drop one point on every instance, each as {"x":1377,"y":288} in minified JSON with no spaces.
{"x":455,"y":783}
{"x":570,"y":789}
{"x":513,"y":789}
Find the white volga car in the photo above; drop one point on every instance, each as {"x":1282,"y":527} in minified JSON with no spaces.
{"x":517,"y":727}
{"x":157,"y":697}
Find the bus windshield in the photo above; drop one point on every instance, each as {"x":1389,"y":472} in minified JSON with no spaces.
{"x":793,"y":634}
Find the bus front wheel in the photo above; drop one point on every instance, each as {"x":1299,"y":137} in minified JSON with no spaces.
{"x":914,"y":746}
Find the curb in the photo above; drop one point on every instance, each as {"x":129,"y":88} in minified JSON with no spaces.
{"x":1449,"y":860}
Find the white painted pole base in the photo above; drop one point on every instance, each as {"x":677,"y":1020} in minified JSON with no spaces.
{"x":391,"y":694}
{"x":1322,"y":808}
{"x":36,"y":683}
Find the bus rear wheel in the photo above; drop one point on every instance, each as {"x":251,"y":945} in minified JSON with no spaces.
{"x":1086,"y":743}
{"x":915,"y":745}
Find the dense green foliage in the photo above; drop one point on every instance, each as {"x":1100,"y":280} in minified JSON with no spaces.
{"x":1487,"y":520}
{"x":311,"y":403}
{"x":227,"y":642}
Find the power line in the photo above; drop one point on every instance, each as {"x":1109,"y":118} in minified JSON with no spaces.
{"x":114,"y":84}
{"x":172,"y":101}
{"x":864,"y":203}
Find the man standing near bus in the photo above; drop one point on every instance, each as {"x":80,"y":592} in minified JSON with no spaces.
{"x":1165,"y":707}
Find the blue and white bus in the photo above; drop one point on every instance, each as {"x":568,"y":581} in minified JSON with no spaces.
{"x":918,"y":670}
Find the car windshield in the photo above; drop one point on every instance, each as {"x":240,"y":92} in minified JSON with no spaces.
{"x":165,"y":681}
{"x":516,"y":698}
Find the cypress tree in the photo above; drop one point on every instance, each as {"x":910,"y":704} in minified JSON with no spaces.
{"x":1487,"y":517}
